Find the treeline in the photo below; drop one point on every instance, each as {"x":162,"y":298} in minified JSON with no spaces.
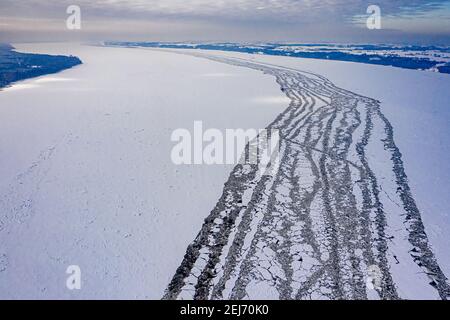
{"x":407,"y":62}
{"x":15,"y":66}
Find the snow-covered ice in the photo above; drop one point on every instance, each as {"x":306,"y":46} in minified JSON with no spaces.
{"x":85,"y":171}
{"x":86,"y":177}
{"x":417,"y":104}
{"x":399,"y":239}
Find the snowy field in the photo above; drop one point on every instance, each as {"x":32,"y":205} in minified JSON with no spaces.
{"x":85,"y":171}
{"x":86,"y":177}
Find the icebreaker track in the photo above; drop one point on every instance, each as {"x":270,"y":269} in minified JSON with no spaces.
{"x":333,"y":222}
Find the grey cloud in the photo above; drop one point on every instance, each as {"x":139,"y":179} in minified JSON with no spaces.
{"x":228,"y":9}
{"x":323,"y":20}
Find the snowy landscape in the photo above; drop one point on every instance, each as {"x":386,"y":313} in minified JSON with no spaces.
{"x":357,"y":209}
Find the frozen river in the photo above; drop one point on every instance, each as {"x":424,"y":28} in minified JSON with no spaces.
{"x":86,"y":176}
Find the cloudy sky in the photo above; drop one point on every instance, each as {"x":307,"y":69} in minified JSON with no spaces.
{"x":403,"y":21}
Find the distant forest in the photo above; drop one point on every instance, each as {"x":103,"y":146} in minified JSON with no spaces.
{"x":16,"y":66}
{"x":370,"y":57}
